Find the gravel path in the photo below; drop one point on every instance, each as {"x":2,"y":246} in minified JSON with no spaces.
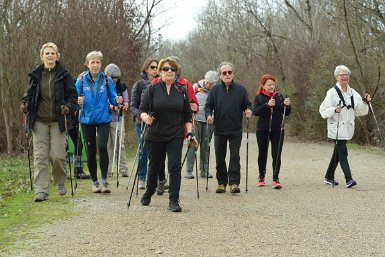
{"x":305,"y":218}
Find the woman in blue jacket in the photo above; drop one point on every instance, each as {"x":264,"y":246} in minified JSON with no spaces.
{"x":95,"y":91}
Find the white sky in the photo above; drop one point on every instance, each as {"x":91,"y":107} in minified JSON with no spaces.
{"x":181,"y":16}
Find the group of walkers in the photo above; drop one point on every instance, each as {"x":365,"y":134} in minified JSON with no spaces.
{"x":167,"y":110}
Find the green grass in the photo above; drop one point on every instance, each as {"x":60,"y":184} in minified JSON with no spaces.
{"x":20,"y":216}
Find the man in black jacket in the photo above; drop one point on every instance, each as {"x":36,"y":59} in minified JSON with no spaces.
{"x":228,"y":100}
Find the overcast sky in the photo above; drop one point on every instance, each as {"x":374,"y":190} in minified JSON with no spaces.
{"x":181,"y":15}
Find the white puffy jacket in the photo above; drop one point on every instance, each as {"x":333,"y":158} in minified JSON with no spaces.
{"x":345,"y":119}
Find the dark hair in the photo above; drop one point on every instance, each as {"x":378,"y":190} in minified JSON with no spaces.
{"x":147,"y":63}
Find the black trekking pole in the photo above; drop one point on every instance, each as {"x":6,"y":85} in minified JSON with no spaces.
{"x":29,"y":140}
{"x":336,"y":145}
{"x":268,"y":135}
{"x":208,"y":132}
{"x":375,"y":121}
{"x":280,"y":138}
{"x":141,"y":146}
{"x":68,"y":156}
{"x":196,"y":170}
{"x":247,"y":152}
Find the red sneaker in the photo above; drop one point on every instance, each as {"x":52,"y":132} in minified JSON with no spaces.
{"x":261,"y":182}
{"x":276,"y":185}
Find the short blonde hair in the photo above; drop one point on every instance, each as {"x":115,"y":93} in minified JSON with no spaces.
{"x":94,"y":55}
{"x":49,"y":45}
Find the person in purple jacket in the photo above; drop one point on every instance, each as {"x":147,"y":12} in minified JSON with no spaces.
{"x":113,"y":71}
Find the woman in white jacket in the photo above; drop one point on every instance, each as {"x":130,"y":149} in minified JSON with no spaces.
{"x":340,"y":107}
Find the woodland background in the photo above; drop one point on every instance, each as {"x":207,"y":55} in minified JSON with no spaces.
{"x":298,"y":41}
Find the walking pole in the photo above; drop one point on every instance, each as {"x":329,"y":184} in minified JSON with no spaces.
{"x":280,"y":137}
{"x":78,"y":140}
{"x":115,"y":146}
{"x":268,"y":135}
{"x":208,"y":132}
{"x":120,"y":146}
{"x":141,"y":146}
{"x":247,"y":152}
{"x":29,"y":140}
{"x":196,"y":170}
{"x":375,"y":121}
{"x":336,"y":144}
{"x":68,"y":156}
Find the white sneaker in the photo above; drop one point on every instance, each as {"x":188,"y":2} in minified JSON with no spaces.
{"x":142,"y":184}
{"x":106,"y":188}
{"x":96,"y":187}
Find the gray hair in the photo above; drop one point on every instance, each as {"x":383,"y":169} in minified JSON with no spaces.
{"x":112,"y":70}
{"x":339,"y":68}
{"x":94,"y":55}
{"x":225,"y":63}
{"x":211,"y":76}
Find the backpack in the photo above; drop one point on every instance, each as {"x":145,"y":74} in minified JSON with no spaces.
{"x":343,"y":100}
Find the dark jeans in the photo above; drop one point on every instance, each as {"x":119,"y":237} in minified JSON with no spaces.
{"x":89,"y":132}
{"x":263,"y":146}
{"x":340,"y":154}
{"x":157,"y":155}
{"x":233,"y":175}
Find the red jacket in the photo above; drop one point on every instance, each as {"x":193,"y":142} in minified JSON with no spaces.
{"x":180,"y":80}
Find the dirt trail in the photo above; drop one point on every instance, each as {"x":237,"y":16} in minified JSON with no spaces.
{"x":305,"y":218}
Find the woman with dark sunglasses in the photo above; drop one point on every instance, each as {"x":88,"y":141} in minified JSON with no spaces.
{"x":270,"y":107}
{"x":166,"y":110}
{"x":149,"y":72}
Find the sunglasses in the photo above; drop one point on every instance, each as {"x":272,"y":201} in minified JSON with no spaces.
{"x":152,"y":67}
{"x":229,"y":72}
{"x":173,"y":69}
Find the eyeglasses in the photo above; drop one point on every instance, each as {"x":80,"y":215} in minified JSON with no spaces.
{"x":344,"y":75}
{"x":229,"y":72}
{"x":173,"y":69}
{"x":115,"y":77}
{"x":152,"y":67}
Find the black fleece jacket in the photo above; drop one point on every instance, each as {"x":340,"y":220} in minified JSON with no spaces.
{"x":262,"y":109}
{"x":65,"y":93}
{"x":228,"y":106}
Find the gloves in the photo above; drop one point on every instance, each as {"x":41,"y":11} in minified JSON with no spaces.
{"x":65,"y":110}
{"x":190,"y":136}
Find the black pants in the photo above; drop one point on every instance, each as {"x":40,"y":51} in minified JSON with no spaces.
{"x":89,"y":132}
{"x":263,"y":146}
{"x":340,"y":154}
{"x":233,"y":175}
{"x":157,"y":155}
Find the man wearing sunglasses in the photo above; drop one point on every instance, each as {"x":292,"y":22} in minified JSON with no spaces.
{"x":228,"y":101}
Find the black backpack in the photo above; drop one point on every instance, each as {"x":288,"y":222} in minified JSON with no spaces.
{"x":343,"y":100}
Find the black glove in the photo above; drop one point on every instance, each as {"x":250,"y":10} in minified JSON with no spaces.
{"x":190,"y":136}
{"x":65,"y":110}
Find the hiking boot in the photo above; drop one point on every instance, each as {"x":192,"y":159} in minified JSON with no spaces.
{"x":61,"y":189}
{"x":160,"y":187}
{"x":80,"y":173}
{"x":146,"y":198}
{"x":205,"y":175}
{"x":261,"y":182}
{"x":351,"y":183}
{"x":189,"y":175}
{"x":331,"y":182}
{"x":106,"y":188}
{"x":276,"y":184}
{"x":124,"y":174}
{"x":96,"y":187}
{"x":221,"y":189}
{"x":174,"y":206}
{"x":142,"y":184}
{"x":41,"y":196}
{"x":234,"y":188}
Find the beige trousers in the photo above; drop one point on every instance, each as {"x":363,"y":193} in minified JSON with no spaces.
{"x":110,"y":147}
{"x":49,"y":146}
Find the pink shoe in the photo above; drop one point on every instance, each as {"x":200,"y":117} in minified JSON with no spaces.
{"x":276,"y":185}
{"x":261,"y":182}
